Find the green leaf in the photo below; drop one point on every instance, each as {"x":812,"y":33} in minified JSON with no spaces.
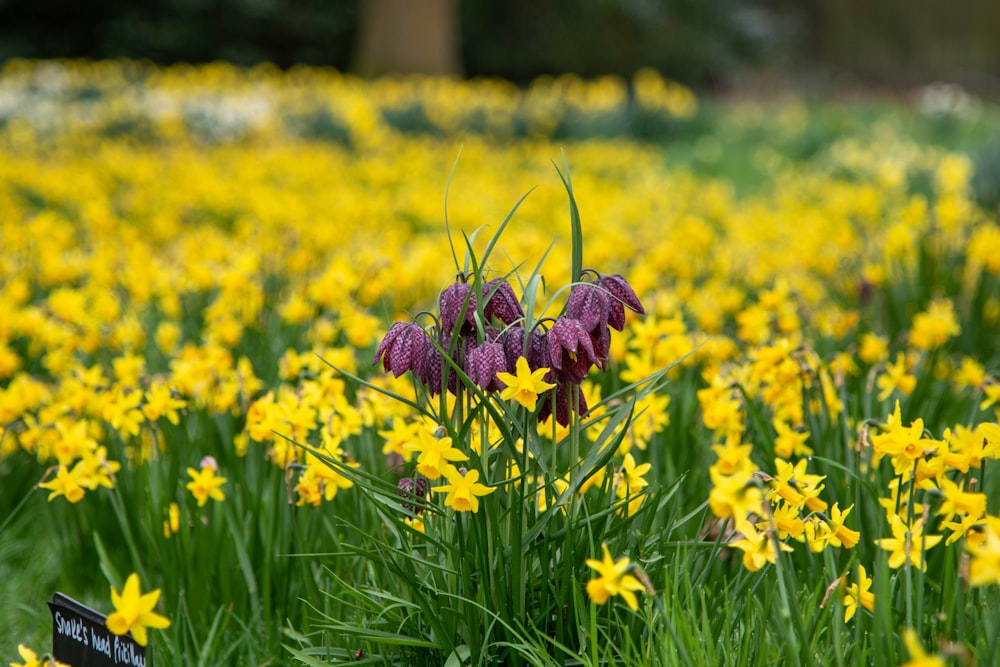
{"x":576,"y":227}
{"x":458,"y":657}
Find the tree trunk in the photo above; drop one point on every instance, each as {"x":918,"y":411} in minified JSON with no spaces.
{"x":408,"y":36}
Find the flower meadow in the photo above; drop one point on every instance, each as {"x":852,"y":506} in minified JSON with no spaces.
{"x":297,"y":368}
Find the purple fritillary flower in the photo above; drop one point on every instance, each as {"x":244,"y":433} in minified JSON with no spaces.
{"x":622,"y":296}
{"x":410,"y":488}
{"x":537,"y":353}
{"x":450,"y":304}
{"x":503,"y":303}
{"x":601,"y":340}
{"x":386,"y":343}
{"x":402,"y":348}
{"x":590,"y":304}
{"x":570,"y":349}
{"x":430,"y":367}
{"x":513,"y":346}
{"x":484,"y":362}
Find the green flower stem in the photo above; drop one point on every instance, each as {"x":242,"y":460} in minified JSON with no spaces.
{"x":517,"y":520}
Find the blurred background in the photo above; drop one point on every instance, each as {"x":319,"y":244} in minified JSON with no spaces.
{"x":708,"y":44}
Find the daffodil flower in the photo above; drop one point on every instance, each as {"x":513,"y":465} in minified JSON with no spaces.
{"x":984,"y":568}
{"x":463,"y":490}
{"x":526,"y":385}
{"x":858,"y":594}
{"x":134,"y":611}
{"x":613,"y":580}
{"x":907,"y":543}
{"x":918,"y":656}
{"x":436,"y":454}
{"x":204,"y":484}
{"x":31,"y":659}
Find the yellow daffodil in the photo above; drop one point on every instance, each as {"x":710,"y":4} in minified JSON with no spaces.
{"x":858,"y":593}
{"x":123,"y":412}
{"x":841,"y":535}
{"x":735,"y":496}
{"x":896,"y":376}
{"x":463,"y":490}
{"x":759,"y":548}
{"x":902,"y":444}
{"x":918,"y":656}
{"x":984,"y":568}
{"x":788,"y":442}
{"x":959,"y":502}
{"x":630,"y":477}
{"x":172,"y":524}
{"x":934,"y":326}
{"x":613,"y":580}
{"x":873,"y":348}
{"x":436,"y":454}
{"x":907,"y":544}
{"x":416,"y":523}
{"x":161,"y":401}
{"x":68,"y":483}
{"x":31,"y":659}
{"x":397,"y":437}
{"x":205,"y":484}
{"x":526,"y":386}
{"x":134,"y":611}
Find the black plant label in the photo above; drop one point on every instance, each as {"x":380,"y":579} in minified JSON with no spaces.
{"x":81,"y":639}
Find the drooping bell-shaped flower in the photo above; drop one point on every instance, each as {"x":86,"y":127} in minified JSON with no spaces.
{"x":409,"y":489}
{"x":590,"y":304}
{"x":601,"y":340}
{"x":571,"y":350}
{"x":622,"y":296}
{"x":501,"y":302}
{"x":536,"y":352}
{"x":430,"y":369}
{"x":453,"y":300}
{"x":483,"y":362}
{"x":403,"y":348}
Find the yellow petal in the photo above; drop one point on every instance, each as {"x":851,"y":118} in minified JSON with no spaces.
{"x":139,"y":635}
{"x":154,"y":620}
{"x":117,"y":624}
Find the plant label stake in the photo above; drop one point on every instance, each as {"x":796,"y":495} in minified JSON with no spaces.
{"x":81,"y":639}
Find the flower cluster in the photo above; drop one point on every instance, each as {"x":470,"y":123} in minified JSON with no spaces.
{"x":481,"y":330}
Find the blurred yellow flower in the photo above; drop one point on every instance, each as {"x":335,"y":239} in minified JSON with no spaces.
{"x":919,"y":657}
{"x":31,"y":659}
{"x":172,"y":524}
{"x":896,"y":377}
{"x":984,"y":568}
{"x":68,"y":483}
{"x":933,"y":327}
{"x":205,"y":484}
{"x":759,"y":547}
{"x":613,"y":580}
